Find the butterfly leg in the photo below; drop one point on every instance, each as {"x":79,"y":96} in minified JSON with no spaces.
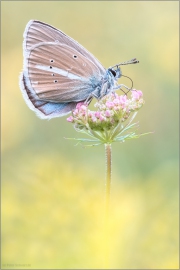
{"x":95,"y":93}
{"x":120,"y":87}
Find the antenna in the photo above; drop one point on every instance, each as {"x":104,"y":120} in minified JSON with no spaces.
{"x":132,"y":61}
{"x":130,"y":80}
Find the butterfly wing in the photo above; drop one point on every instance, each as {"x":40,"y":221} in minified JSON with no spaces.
{"x":44,"y":109}
{"x":58,"y":72}
{"x":37,"y":32}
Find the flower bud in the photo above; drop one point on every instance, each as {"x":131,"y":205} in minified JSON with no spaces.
{"x":70,"y":119}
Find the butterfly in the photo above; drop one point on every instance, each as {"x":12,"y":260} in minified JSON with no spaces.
{"x":58,"y":72}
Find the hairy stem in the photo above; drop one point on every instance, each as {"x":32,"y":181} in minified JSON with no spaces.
{"x":108,"y":153}
{"x":108,"y":177}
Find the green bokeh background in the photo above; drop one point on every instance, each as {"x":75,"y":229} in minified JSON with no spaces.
{"x":52,"y":191}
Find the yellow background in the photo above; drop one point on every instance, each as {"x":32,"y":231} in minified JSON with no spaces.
{"x":52,"y":191}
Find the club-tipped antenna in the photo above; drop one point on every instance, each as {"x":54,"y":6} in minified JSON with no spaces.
{"x":132,"y":61}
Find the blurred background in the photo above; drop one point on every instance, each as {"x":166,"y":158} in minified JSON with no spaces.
{"x":52,"y":190}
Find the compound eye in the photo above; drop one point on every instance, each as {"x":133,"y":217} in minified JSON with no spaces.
{"x":113,"y":72}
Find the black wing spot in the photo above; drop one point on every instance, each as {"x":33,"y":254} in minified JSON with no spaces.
{"x":50,"y":67}
{"x":53,"y":74}
{"x":51,"y":60}
{"x":75,"y":56}
{"x":55,"y":81}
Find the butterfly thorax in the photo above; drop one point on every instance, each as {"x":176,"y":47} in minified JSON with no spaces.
{"x":109,"y":82}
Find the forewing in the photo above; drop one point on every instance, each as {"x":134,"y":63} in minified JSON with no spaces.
{"x":37,"y":32}
{"x":59,"y":73}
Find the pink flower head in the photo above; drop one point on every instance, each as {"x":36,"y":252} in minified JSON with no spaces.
{"x":97,"y":114}
{"x":94,"y":119}
{"x":107,"y":113}
{"x":136,"y":94}
{"x":90,"y":114}
{"x":110,"y":111}
{"x":75,"y":112}
{"x":81,"y":105}
{"x":82,"y":112}
{"x":122,"y":99}
{"x":70,"y":119}
{"x":116,"y":108}
{"x":116,"y":101}
{"x":110,"y":104}
{"x":102,"y":118}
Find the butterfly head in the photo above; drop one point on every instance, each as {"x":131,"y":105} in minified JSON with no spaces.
{"x":115,"y":72}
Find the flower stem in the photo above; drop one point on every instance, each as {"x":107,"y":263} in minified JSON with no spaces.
{"x":108,"y":153}
{"x":108,"y":177}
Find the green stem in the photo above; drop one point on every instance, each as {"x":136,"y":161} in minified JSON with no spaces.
{"x":108,"y":153}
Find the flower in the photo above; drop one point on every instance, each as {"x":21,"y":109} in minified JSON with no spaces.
{"x":136,"y":94}
{"x":106,"y":124}
{"x":70,"y":119}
